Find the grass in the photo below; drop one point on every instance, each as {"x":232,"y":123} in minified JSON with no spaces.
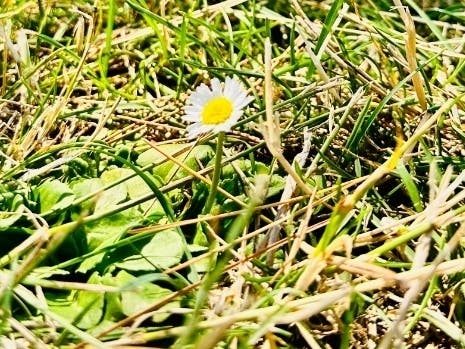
{"x":330,"y":216}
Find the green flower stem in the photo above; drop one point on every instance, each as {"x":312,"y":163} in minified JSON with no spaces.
{"x":218,"y":268}
{"x":216,"y":174}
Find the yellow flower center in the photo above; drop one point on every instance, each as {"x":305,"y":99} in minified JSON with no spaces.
{"x":217,"y":111}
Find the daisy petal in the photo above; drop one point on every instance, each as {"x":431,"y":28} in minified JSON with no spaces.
{"x":190,"y":118}
{"x":243,"y":102}
{"x":233,"y":89}
{"x":216,"y":87}
{"x":195,"y":130}
{"x":208,"y":113}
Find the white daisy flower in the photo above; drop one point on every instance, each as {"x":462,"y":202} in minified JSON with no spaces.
{"x":216,"y":108}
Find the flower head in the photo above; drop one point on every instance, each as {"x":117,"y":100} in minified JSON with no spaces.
{"x":216,"y":108}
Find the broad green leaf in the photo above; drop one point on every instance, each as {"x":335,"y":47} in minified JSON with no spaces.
{"x":110,"y":198}
{"x":133,"y":188}
{"x":139,"y":298}
{"x":113,"y":311}
{"x":276,"y":185}
{"x":7,"y":219}
{"x":200,"y":238}
{"x":64,"y":306}
{"x":202,"y":153}
{"x":85,"y":308}
{"x":136,"y":187}
{"x":244,"y":165}
{"x":90,"y":305}
{"x":163,"y":251}
{"x":54,"y":195}
{"x":196,"y":248}
{"x":107,"y":231}
{"x":85,"y":187}
{"x":200,"y":243}
{"x":229,"y":174}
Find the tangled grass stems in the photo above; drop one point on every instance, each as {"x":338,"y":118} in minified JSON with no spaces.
{"x":91,"y":132}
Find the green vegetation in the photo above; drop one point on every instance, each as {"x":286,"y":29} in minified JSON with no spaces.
{"x":330,"y":216}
